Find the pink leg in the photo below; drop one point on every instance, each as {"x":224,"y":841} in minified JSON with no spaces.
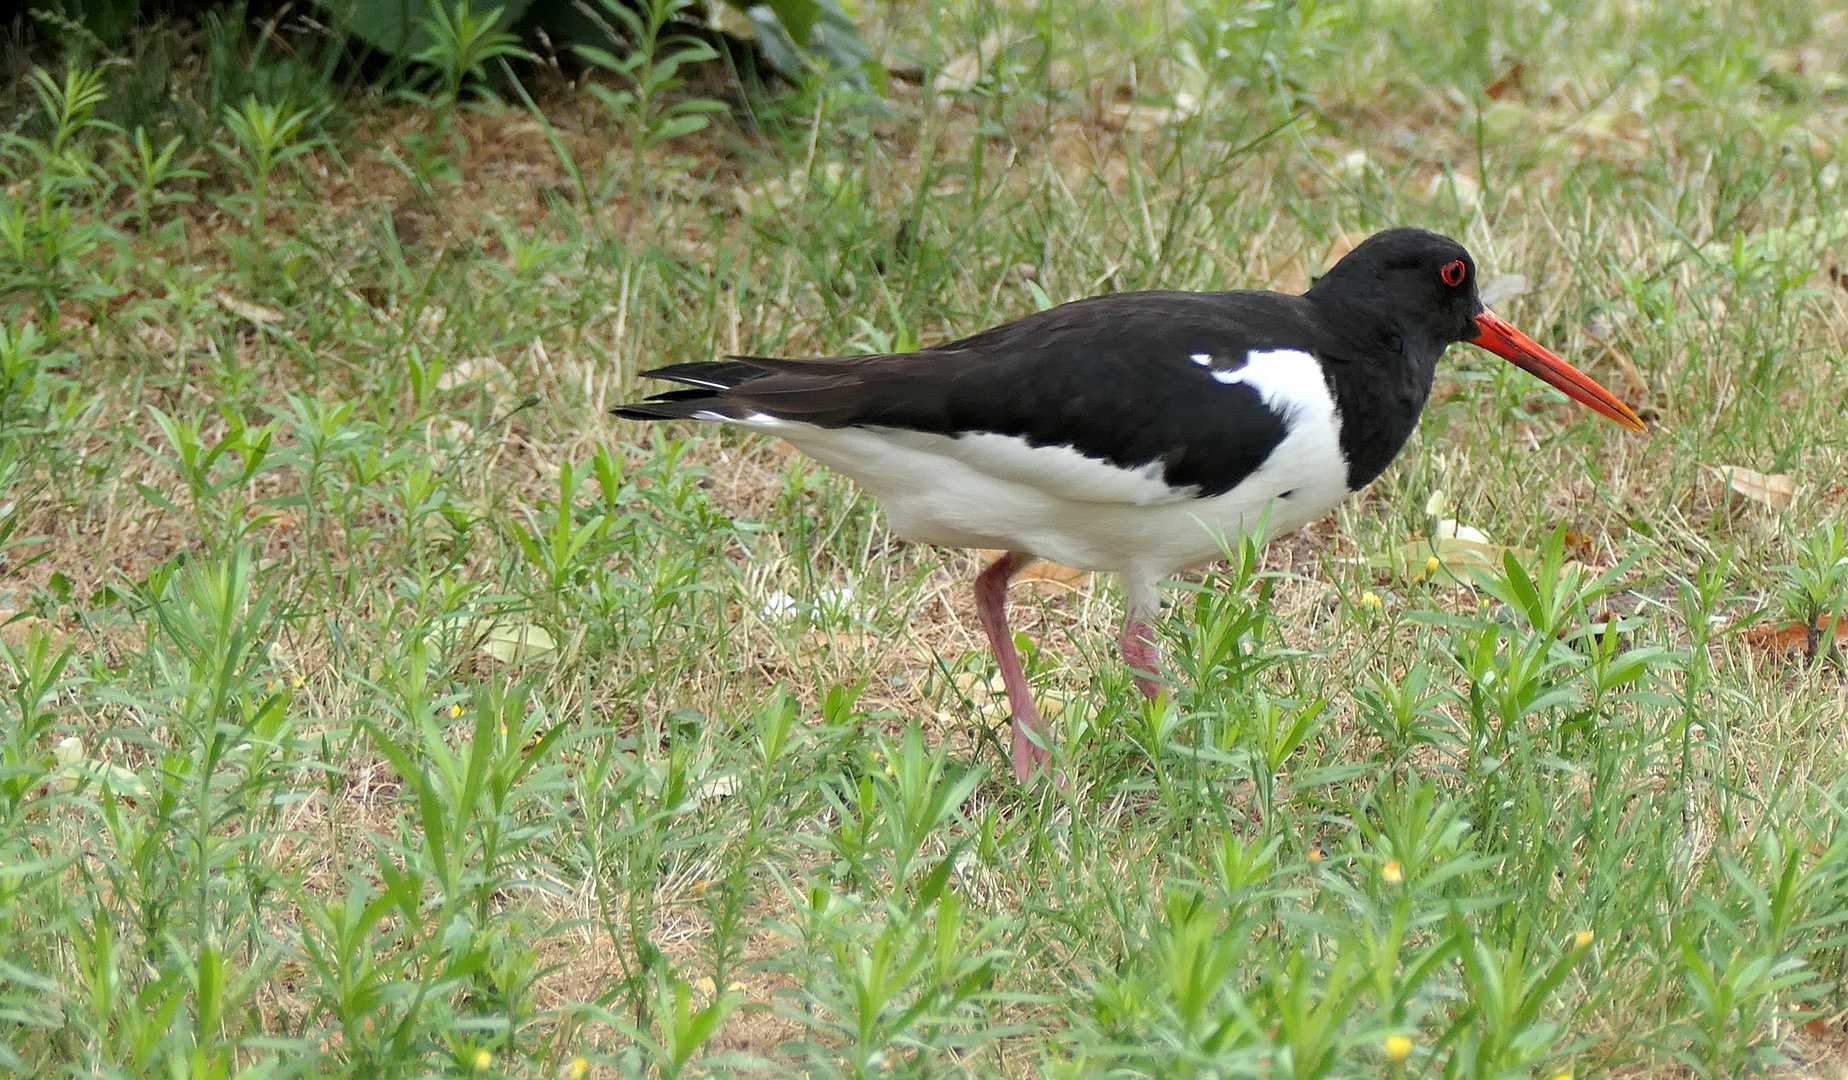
{"x":1140,"y":654}
{"x":991,"y":608}
{"x":1143,"y":600}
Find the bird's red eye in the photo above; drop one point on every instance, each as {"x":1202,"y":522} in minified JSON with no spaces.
{"x":1452,"y":273}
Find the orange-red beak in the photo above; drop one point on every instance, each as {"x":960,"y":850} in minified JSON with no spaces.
{"x":1497,"y":336}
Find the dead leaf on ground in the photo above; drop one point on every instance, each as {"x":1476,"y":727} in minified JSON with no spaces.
{"x":719,"y":787}
{"x":1775,"y":490}
{"x":962,"y":73}
{"x":1448,"y":558}
{"x":1508,"y":81}
{"x":74,"y":316}
{"x":156,"y":338}
{"x":1451,"y":559}
{"x":75,"y":768}
{"x":516,"y":643}
{"x":989,"y":697}
{"x":247,"y":310}
{"x":704,"y":990}
{"x":1141,"y":118}
{"x":1047,"y":577}
{"x":839,"y":642}
{"x":1793,"y":637}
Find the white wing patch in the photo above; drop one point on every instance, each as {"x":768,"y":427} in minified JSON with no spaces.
{"x":1289,"y":381}
{"x":1203,"y":359}
{"x":1307,"y":471}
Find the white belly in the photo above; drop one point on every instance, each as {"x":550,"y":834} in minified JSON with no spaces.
{"x":1131,"y":523}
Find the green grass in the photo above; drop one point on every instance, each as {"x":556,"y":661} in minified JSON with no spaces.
{"x":376,"y":705}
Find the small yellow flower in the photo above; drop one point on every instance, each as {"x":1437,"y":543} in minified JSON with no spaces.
{"x":1431,"y":565}
{"x":1581,"y":939}
{"x":1398,"y":1048}
{"x":579,"y":1068}
{"x":1315,"y":854}
{"x":483,"y":1059}
{"x":1392,"y":872}
{"x":455,"y":711}
{"x":1371,"y":599}
{"x":1562,"y":1076}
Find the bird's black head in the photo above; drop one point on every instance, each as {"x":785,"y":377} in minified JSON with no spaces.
{"x":1410,"y":293}
{"x":1415,"y":285}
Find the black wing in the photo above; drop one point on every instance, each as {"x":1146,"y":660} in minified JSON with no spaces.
{"x":1113,"y":377}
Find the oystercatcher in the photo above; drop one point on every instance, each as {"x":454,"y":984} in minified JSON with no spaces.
{"x":1136,"y":432}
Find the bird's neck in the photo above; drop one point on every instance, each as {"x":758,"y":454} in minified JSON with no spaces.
{"x":1381,"y":389}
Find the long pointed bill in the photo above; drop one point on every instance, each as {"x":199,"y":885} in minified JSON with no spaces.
{"x":1502,"y":339}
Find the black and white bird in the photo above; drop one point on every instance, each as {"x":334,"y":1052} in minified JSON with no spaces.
{"x":1136,"y":433}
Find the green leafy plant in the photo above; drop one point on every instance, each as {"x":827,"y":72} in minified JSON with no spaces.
{"x":563,"y":549}
{"x":652,"y":70}
{"x":461,"y":45}
{"x":148,"y":174}
{"x":217,"y":472}
{"x":25,"y":352}
{"x":911,"y":971}
{"x":264,"y":136}
{"x":682,"y":1028}
{"x":46,"y":242}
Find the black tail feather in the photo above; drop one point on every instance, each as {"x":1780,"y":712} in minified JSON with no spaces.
{"x":654,"y":409}
{"x":709,"y":379}
{"x":709,"y":374}
{"x":825,"y":365}
{"x":712,"y":380}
